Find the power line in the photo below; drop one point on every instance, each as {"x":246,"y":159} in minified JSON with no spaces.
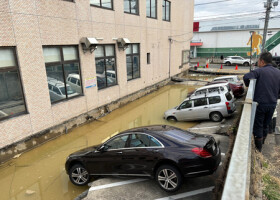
{"x":240,"y":3}
{"x":200,"y":4}
{"x":231,"y":16}
{"x":258,"y":11}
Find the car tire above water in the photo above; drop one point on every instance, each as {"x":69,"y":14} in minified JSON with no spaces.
{"x":168,"y":178}
{"x":216,"y":116}
{"x":172,"y":119}
{"x":79,"y":175}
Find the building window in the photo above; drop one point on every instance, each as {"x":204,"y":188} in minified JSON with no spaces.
{"x":151,"y":8}
{"x":166,"y":5}
{"x":107,"y":4}
{"x":133,"y":61}
{"x":148,"y":58}
{"x":185,"y":56}
{"x":63,"y":72}
{"x":105,"y":60}
{"x":131,"y":6}
{"x":12,"y":101}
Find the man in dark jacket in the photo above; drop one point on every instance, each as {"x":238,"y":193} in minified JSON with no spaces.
{"x":266,"y":94}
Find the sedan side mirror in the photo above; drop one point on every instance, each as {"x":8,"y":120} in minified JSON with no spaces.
{"x":103,"y":148}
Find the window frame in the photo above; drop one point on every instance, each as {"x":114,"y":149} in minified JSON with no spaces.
{"x":131,"y":55}
{"x":100,"y":1}
{"x":164,"y":14}
{"x":156,"y":1}
{"x":62,"y":63}
{"x":104,"y":58}
{"x":137,"y":13}
{"x":15,"y":68}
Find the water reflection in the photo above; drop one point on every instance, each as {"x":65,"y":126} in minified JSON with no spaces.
{"x":40,"y":174}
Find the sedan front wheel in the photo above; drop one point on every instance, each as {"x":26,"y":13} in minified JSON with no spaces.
{"x":169,"y":178}
{"x":79,"y":175}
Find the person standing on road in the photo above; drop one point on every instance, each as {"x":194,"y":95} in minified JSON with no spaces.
{"x":266,"y":94}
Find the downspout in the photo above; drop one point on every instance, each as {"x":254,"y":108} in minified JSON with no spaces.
{"x":170,"y":41}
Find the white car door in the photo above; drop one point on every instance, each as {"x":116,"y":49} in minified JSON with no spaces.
{"x":184,"y":111}
{"x":200,"y":108}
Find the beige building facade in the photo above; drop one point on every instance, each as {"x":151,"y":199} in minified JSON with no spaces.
{"x":46,"y":78}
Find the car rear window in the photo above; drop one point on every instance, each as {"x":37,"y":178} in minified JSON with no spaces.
{"x":228,"y":96}
{"x":178,"y":135}
{"x":213,"y":100}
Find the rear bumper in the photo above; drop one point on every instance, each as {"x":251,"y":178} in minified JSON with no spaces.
{"x":206,"y":167}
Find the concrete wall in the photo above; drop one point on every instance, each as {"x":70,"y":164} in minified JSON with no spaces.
{"x":29,"y":24}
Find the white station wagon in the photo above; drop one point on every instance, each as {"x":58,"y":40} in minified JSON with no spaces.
{"x":214,"y":106}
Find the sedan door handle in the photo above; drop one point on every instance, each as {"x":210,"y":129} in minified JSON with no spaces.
{"x":205,"y":107}
{"x":120,"y":152}
{"x":190,"y":109}
{"x":155,"y":150}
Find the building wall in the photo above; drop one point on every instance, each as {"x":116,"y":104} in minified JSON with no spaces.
{"x":228,"y":43}
{"x":30,"y":24}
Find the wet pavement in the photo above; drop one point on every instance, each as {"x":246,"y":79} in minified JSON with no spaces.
{"x":40,"y":174}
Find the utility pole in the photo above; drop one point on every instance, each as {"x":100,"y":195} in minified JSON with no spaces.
{"x":251,"y":32}
{"x":268,"y":8}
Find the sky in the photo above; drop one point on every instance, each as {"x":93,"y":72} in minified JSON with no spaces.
{"x":233,"y":12}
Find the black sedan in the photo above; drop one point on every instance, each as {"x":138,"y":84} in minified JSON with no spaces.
{"x":162,"y":152}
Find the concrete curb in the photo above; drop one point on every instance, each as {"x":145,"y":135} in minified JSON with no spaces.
{"x":215,"y":72}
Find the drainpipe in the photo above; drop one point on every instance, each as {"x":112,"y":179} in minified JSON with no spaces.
{"x":170,"y":41}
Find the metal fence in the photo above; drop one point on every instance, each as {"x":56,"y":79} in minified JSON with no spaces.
{"x":238,"y":175}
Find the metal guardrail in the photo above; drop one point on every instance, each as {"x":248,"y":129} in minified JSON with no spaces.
{"x":238,"y":175}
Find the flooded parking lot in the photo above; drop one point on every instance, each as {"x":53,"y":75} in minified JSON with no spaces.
{"x":40,"y":174}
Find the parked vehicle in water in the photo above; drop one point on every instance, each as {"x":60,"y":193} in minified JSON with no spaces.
{"x":214,"y":106}
{"x":224,"y":86}
{"x":162,"y":152}
{"x":229,"y":60}
{"x":235,"y":83}
{"x":237,"y":89}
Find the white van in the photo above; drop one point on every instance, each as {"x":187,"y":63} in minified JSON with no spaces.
{"x":214,"y":106}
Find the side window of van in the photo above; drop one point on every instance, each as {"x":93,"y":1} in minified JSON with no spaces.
{"x":186,"y":104}
{"x":214,"y":100}
{"x":200,"y":92}
{"x":200,"y":102}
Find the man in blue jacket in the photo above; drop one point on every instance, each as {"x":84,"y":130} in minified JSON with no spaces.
{"x":266,"y":94}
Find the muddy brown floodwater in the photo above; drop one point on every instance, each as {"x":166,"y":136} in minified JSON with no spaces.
{"x":40,"y":174}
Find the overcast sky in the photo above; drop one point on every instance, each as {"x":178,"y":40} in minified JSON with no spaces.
{"x":233,"y":12}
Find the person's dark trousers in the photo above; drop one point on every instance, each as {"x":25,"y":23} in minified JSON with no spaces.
{"x":272,"y":125}
{"x":263,"y":117}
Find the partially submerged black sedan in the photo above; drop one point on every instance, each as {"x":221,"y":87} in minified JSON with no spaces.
{"x":162,"y":152}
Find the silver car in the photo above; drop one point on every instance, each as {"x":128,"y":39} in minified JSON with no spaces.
{"x":214,"y":106}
